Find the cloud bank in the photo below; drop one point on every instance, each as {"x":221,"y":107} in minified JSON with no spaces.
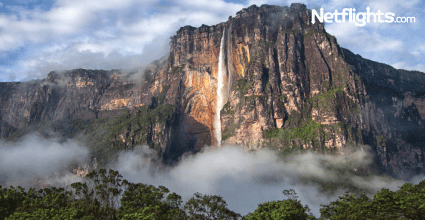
{"x":245,"y":179}
{"x":34,"y":161}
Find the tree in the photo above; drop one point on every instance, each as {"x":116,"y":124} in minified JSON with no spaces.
{"x":208,"y":207}
{"x":285,"y":209}
{"x":142,"y":201}
{"x":406,"y":203}
{"x":347,"y":206}
{"x":384,"y":205}
{"x":10,"y":200}
{"x":53,"y":203}
{"x":99,"y":196}
{"x":411,"y":200}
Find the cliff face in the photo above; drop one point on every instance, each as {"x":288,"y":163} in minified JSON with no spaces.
{"x":280,"y":70}
{"x":287,"y":83}
{"x":74,"y":94}
{"x":392,"y":115}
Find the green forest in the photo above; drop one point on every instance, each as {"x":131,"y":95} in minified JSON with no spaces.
{"x":104,"y":194}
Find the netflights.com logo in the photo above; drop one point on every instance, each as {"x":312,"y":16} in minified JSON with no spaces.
{"x":359,"y":18}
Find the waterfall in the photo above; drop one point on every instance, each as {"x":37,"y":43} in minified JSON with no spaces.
{"x":220,"y":84}
{"x":229,"y":60}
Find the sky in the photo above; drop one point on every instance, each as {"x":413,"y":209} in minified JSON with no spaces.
{"x":39,"y":36}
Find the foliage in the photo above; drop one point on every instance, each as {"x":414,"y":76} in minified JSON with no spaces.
{"x":178,"y":69}
{"x":308,"y":132}
{"x":271,"y":133}
{"x":208,"y":207}
{"x":406,"y":203}
{"x":53,"y":203}
{"x":283,"y":97}
{"x":161,"y":96}
{"x":346,"y":207}
{"x":142,"y":201}
{"x":135,"y":128}
{"x":280,"y":210}
{"x":311,"y":32}
{"x":229,"y":131}
{"x":10,"y":200}
{"x":106,"y":195}
{"x":380,"y":140}
{"x":242,"y":86}
{"x":324,"y":99}
{"x":103,"y":135}
{"x":227,"y":110}
{"x":100,"y":195}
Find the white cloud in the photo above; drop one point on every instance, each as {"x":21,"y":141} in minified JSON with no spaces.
{"x":419,"y":67}
{"x":94,"y":56}
{"x":361,"y":38}
{"x":36,"y":158}
{"x":246,"y":179}
{"x":92,"y":33}
{"x":391,"y":5}
{"x":422,"y":48}
{"x":75,"y":17}
{"x":406,"y":66}
{"x":98,"y":33}
{"x":64,"y":18}
{"x":416,"y":53}
{"x":93,"y":48}
{"x":399,"y":65}
{"x":209,"y":5}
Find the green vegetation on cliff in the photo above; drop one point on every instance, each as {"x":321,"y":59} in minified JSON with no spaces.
{"x":106,"y":136}
{"x":309,"y":132}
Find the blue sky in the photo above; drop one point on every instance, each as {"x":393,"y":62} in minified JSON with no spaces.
{"x":38,"y":36}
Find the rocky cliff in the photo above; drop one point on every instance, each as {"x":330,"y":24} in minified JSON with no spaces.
{"x":287,"y":84}
{"x":72,"y":94}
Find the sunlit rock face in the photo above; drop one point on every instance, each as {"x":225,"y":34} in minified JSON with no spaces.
{"x":286,"y":82}
{"x":276,"y":59}
{"x":283,"y":72}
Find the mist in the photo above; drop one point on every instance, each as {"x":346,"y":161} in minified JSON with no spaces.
{"x":74,"y":57}
{"x":245,"y":179}
{"x":34,"y":161}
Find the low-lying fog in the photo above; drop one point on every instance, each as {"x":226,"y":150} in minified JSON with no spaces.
{"x":243,"y":178}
